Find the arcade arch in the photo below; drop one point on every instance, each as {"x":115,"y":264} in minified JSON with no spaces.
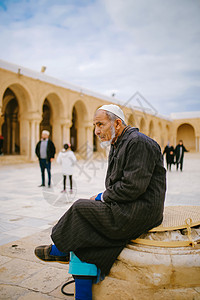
{"x":131,"y":121}
{"x":186,"y":133}
{"x":160,"y":137}
{"x":81,"y":131}
{"x":16,"y":104}
{"x":142,"y":126}
{"x":10,"y":126}
{"x":151,"y":129}
{"x":96,"y":140}
{"x":168,"y":135}
{"x":46,"y":123}
{"x":52,"y":118}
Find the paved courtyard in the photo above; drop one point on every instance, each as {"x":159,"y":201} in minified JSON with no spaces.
{"x":28,"y":213}
{"x":27,"y":209}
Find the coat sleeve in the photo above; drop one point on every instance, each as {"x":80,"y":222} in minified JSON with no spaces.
{"x":184,"y":149}
{"x":137,"y":171}
{"x":59,"y":160}
{"x":37,"y":149}
{"x":53,"y":149}
{"x":74,"y":157}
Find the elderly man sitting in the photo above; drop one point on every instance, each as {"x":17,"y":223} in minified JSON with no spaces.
{"x":132,"y":203}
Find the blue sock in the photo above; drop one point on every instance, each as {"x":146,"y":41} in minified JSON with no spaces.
{"x":83,"y":289}
{"x":56,"y":252}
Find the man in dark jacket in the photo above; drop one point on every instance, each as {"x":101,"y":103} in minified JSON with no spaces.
{"x":179,"y":151}
{"x":45,"y":151}
{"x":132,"y":203}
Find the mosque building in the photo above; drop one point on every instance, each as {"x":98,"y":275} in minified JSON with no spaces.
{"x":32,"y":101}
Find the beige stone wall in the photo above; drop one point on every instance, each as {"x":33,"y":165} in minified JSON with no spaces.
{"x":29,"y":105}
{"x":143,"y":272}
{"x":189,"y":131}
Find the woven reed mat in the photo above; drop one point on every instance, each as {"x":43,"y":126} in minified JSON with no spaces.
{"x":175,"y":217}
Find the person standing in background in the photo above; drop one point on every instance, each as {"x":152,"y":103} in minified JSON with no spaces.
{"x":169,"y":151}
{"x":67,"y":160}
{"x":179,"y":151}
{"x":45,"y":151}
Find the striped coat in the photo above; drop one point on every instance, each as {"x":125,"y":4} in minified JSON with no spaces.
{"x":134,"y":201}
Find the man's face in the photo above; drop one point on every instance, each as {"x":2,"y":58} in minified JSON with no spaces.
{"x":104,"y":128}
{"x":44,"y":136}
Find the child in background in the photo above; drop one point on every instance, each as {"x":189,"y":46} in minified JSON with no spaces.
{"x":67,"y":160}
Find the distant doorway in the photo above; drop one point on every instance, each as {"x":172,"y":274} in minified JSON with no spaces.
{"x":73,"y":130}
{"x":11,"y":126}
{"x":46,"y":118}
{"x":186,"y":133}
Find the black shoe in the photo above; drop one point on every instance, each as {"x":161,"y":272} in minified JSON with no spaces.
{"x":43,"y":253}
{"x":49,"y":185}
{"x":41,"y":185}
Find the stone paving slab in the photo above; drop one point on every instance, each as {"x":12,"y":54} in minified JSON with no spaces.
{"x":23,"y":276}
{"x":26,"y":208}
{"x":27,"y":216}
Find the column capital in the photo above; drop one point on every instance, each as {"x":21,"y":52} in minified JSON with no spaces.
{"x":31,"y":116}
{"x":88,"y":124}
{"x":63,"y":121}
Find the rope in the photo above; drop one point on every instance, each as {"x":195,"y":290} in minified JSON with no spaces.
{"x":169,"y":244}
{"x":64,"y":285}
{"x":188,"y":223}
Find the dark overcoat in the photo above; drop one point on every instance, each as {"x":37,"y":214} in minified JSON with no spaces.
{"x":169,"y":150}
{"x":179,"y":153}
{"x":97,"y":231}
{"x":51,"y":150}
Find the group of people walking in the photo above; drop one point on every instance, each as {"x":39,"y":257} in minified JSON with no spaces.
{"x":174,"y":156}
{"x":45,"y":151}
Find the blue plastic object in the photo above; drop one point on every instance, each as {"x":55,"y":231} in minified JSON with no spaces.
{"x":78,"y":267}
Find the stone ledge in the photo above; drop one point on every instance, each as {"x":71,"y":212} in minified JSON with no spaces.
{"x":143,"y":272}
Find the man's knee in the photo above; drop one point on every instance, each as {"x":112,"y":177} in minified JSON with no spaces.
{"x":81,"y":203}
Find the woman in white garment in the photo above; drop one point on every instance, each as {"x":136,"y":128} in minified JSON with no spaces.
{"x":67,"y":160}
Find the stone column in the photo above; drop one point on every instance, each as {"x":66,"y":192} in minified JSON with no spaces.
{"x":29,"y":133}
{"x":8,"y":123}
{"x":35,"y":134}
{"x":89,"y":139}
{"x":199,"y":144}
{"x":61,"y":132}
{"x":32,"y":139}
{"x":13,"y":135}
{"x":57,"y":137}
{"x":37,"y":131}
{"x":66,"y":131}
{"x":197,"y":139}
{"x":24,"y":136}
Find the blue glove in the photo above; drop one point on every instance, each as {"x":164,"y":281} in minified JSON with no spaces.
{"x":98,"y":197}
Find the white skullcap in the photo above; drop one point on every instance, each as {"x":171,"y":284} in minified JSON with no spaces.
{"x":45,"y":132}
{"x":115,"y":109}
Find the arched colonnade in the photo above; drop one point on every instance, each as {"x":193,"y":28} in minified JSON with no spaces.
{"x":29,"y":105}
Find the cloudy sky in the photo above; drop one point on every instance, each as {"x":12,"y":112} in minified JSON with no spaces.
{"x":110,"y":46}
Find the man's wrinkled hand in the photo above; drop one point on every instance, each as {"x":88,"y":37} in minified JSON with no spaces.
{"x":93,"y":197}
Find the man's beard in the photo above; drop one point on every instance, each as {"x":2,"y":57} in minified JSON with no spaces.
{"x":108,"y":143}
